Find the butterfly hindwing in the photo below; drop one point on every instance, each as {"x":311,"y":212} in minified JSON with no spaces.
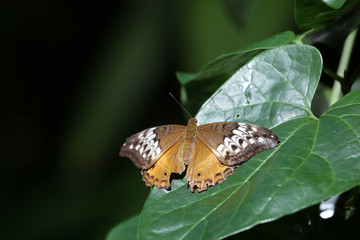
{"x":204,"y":169}
{"x":159,"y":174}
{"x":233,"y":143}
{"x":146,"y":147}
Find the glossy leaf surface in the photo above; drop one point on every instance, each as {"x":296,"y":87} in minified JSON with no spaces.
{"x":216,"y":72}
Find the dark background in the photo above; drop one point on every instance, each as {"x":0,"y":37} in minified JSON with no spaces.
{"x":77,"y":78}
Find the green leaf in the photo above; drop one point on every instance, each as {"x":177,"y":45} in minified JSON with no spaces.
{"x":327,"y":26}
{"x":184,"y":77}
{"x":311,"y":14}
{"x":216,"y":72}
{"x":126,"y":230}
{"x":273,"y":88}
{"x":316,"y":159}
{"x":334,"y":3}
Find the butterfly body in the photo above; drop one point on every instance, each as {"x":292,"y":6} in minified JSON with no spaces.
{"x":211,"y":152}
{"x":189,"y":139}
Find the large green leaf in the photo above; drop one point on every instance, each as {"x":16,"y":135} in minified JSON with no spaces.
{"x":125,"y":231}
{"x":201,"y":85}
{"x":316,"y":158}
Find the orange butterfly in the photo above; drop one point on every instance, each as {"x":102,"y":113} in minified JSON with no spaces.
{"x":211,"y":151}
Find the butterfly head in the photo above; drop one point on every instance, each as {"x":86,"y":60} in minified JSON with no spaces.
{"x":192,"y":122}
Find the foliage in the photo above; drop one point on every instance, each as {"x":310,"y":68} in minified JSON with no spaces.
{"x":271,"y":83}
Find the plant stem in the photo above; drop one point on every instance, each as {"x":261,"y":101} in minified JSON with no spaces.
{"x":332,"y":74}
{"x":344,"y":62}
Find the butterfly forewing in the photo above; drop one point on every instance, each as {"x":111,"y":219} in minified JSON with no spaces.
{"x":146,"y":147}
{"x":233,"y":143}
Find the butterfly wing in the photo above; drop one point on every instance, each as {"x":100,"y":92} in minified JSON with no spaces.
{"x":216,"y":149}
{"x":146,"y":147}
{"x":233,"y":143}
{"x":171,"y":161}
{"x":204,"y":169}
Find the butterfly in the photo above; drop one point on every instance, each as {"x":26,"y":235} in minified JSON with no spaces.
{"x":211,"y":151}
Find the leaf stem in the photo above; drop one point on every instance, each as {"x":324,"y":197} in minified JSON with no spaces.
{"x":344,"y":62}
{"x":328,"y":71}
{"x":300,"y":39}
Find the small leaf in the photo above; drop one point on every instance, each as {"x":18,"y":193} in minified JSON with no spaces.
{"x":184,"y":78}
{"x":316,"y":159}
{"x":334,"y":3}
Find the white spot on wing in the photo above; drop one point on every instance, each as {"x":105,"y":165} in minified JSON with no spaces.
{"x":149,"y":144}
{"x":156,"y":144}
{"x":151,"y":136}
{"x":227,"y":142}
{"x":235,"y":139}
{"x":230,"y":142}
{"x":157,"y":151}
{"x":221,"y":148}
{"x":237,"y":150}
{"x":141,"y":136}
{"x":262,"y":140}
{"x":237,"y":132}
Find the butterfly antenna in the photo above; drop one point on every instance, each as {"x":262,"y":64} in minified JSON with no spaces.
{"x":180,"y":105}
{"x":210,"y":99}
